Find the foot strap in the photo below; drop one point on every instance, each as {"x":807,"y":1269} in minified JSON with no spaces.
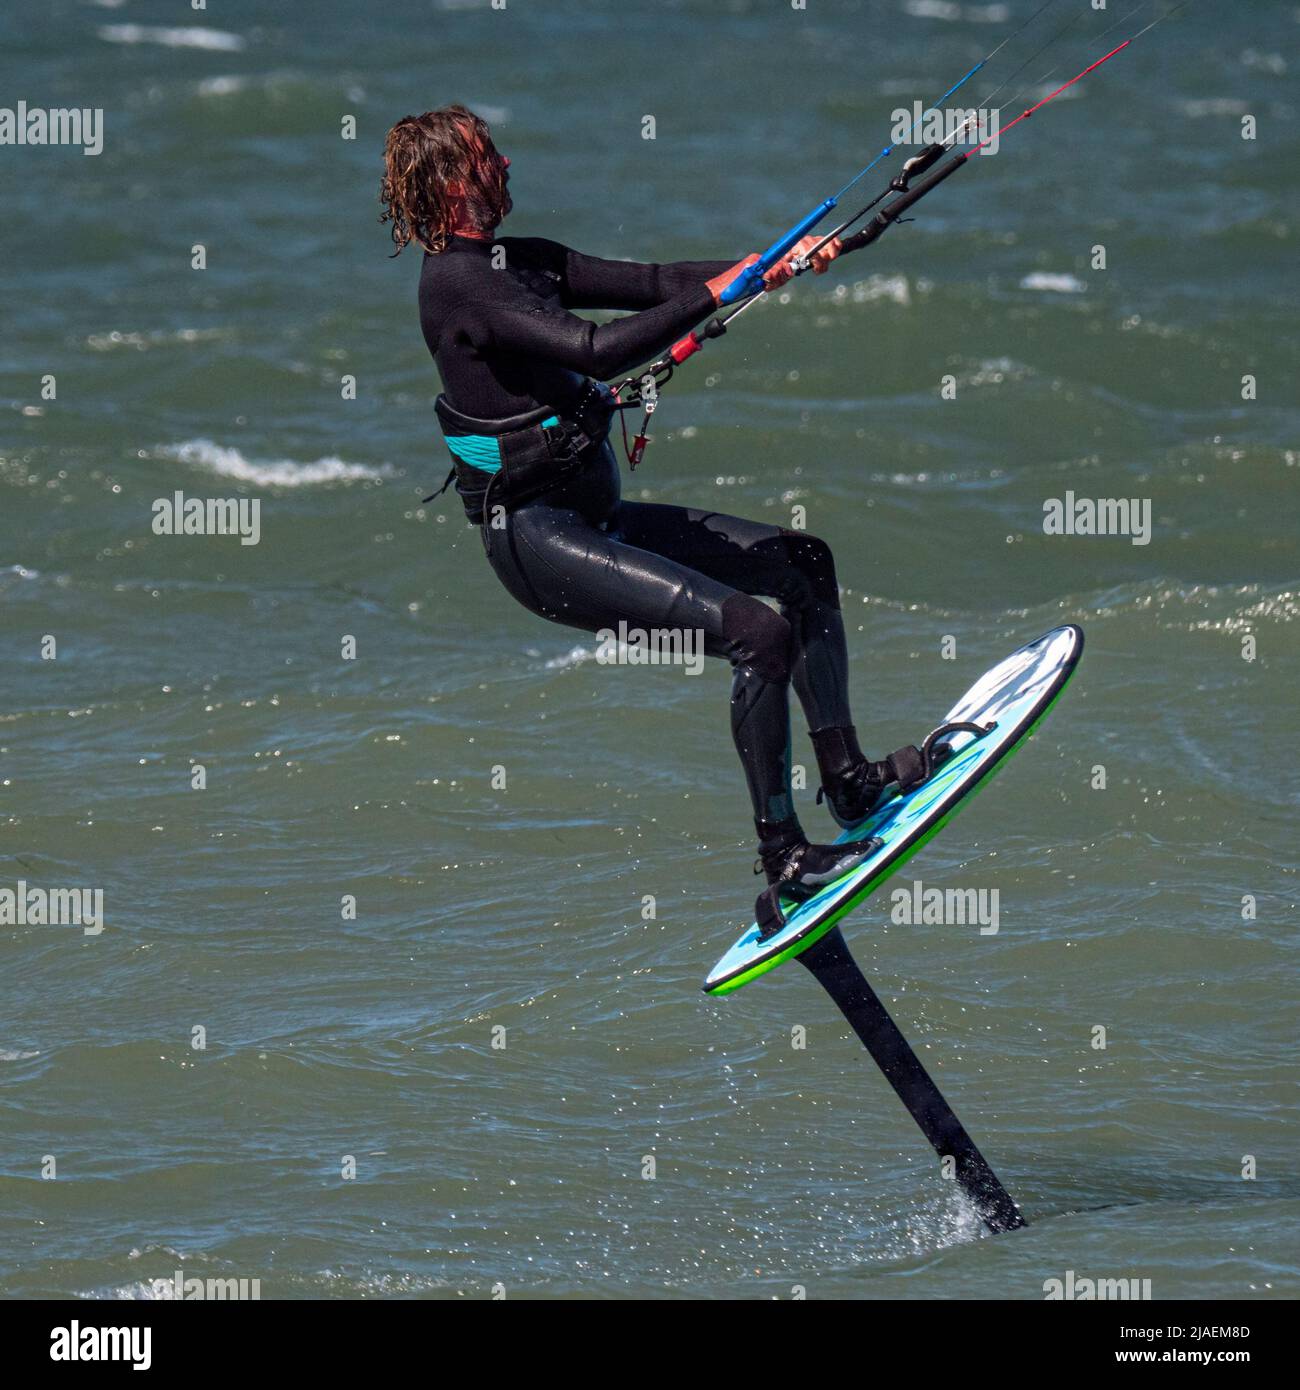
{"x":911,"y":766}
{"x":908,"y":766}
{"x":767,"y":912}
{"x":767,"y":907}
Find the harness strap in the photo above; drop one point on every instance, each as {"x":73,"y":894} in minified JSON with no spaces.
{"x":446,"y":483}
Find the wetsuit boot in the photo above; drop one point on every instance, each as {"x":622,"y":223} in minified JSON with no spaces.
{"x":797,"y":870}
{"x":853,"y":785}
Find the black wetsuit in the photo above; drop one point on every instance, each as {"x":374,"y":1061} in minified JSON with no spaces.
{"x":505,"y":343}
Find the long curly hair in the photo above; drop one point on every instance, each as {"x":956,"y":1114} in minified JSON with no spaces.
{"x":422,"y":156}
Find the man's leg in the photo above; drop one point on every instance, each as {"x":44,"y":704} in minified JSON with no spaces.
{"x":563,"y":568}
{"x":753,"y":557}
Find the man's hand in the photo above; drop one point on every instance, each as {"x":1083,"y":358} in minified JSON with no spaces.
{"x":784,"y":269}
{"x":720,"y":282}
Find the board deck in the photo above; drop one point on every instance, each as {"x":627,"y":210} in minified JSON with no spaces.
{"x":1014,"y":696}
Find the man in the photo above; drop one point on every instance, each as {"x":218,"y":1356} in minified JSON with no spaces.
{"x":526,"y":418}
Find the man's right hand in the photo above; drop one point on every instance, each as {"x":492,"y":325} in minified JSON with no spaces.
{"x":720,"y":282}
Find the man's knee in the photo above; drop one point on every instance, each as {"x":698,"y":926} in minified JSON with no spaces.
{"x":757,"y":637}
{"x":812,"y":558}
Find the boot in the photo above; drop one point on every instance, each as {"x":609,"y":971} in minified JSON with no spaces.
{"x":854,"y":786}
{"x":796,"y":869}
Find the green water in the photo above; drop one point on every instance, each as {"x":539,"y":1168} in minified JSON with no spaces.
{"x":522,"y":908}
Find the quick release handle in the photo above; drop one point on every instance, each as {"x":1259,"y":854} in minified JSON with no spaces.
{"x":890,"y":214}
{"x":750,"y":281}
{"x":694,"y":341}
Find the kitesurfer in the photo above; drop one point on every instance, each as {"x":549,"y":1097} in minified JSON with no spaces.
{"x":526,"y":418}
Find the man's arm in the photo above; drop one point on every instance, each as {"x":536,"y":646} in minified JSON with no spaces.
{"x":590,"y":282}
{"x":596,"y":350}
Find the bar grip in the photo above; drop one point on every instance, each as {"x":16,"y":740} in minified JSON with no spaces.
{"x":890,"y":214}
{"x":750,"y":281}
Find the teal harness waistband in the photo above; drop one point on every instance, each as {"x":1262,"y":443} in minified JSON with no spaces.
{"x":483,"y":451}
{"x":522,"y":456}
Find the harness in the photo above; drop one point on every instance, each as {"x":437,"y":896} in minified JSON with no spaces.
{"x":520,"y":457}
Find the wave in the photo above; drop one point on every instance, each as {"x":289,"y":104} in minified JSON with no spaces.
{"x":1058,"y":284}
{"x":193,"y":37}
{"x":230,"y":463}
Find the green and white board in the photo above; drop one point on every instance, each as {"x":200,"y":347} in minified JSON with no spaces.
{"x":1013,"y":697}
